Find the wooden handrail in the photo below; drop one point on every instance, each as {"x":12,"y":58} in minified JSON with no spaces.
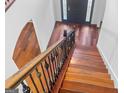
{"x":13,"y":81}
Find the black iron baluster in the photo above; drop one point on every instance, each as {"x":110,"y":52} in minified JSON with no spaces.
{"x":55,"y":62}
{"x":45,"y":78}
{"x":54,"y":65}
{"x":61,"y":59}
{"x":63,"y":53}
{"x":72,"y":38}
{"x":52,"y":71}
{"x":34,"y":83}
{"x":58,"y":60}
{"x":25,"y":89}
{"x":65,"y":45}
{"x":39,"y":77}
{"x":68,"y":44}
{"x":47,"y":69}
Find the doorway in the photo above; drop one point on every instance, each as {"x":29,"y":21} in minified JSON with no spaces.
{"x":77,"y":11}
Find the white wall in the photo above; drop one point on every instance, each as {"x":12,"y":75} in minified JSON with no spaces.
{"x":57,"y":9}
{"x":98,"y":12}
{"x":108,"y":39}
{"x":41,"y":12}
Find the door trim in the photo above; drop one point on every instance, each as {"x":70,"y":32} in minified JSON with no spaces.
{"x":91,"y":14}
{"x":92,"y":8}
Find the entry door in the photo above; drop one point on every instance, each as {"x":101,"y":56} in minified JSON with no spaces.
{"x":76,"y":11}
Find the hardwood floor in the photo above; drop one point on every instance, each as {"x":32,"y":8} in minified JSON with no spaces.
{"x":87,"y":72}
{"x":85,"y":35}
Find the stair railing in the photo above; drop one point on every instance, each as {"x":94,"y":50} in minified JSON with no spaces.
{"x":47,"y":67}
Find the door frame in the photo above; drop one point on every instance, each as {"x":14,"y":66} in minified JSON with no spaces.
{"x":91,"y":14}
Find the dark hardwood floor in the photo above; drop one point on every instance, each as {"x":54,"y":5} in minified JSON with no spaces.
{"x":85,"y":35}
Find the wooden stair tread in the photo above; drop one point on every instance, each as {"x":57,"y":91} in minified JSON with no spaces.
{"x":87,"y":48}
{"x":106,"y":77}
{"x":80,"y":71}
{"x":90,"y":80}
{"x":88,"y":64}
{"x":76,"y":87}
{"x":94,"y":53}
{"x":84,"y":55}
{"x":87,"y":61}
{"x":87,"y":58}
{"x":89,"y":77}
{"x":89,"y":68}
{"x":91,"y":53}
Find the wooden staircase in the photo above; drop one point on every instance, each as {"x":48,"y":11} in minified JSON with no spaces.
{"x":87,"y":76}
{"x":87,"y":72}
{"x":71,"y":64}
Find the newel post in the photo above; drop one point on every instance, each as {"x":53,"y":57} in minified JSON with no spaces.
{"x":65,"y":33}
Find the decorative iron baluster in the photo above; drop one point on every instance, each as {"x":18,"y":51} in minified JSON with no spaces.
{"x":52,"y":71}
{"x":53,"y":62}
{"x":65,"y":44}
{"x":45,"y":78}
{"x":25,"y":89}
{"x":56,"y":61}
{"x":59,"y":59}
{"x":47,"y":69}
{"x":34,"y":83}
{"x":73,"y":37}
{"x":69,"y":43}
{"x":63,"y":53}
{"x":62,"y":57}
{"x":39,"y":77}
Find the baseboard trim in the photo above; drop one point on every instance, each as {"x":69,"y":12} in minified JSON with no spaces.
{"x":110,"y":70}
